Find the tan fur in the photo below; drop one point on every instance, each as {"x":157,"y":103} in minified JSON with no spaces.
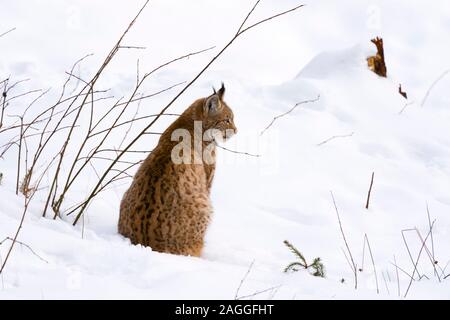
{"x":167,"y":206}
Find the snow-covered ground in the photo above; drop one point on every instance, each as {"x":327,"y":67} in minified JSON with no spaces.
{"x":358,"y":125}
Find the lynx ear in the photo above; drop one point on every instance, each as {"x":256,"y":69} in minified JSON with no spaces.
{"x":221,"y":91}
{"x":212,"y":105}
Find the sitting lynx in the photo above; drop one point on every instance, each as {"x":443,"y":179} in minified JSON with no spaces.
{"x":167,"y":206}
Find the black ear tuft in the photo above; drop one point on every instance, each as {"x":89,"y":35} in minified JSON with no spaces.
{"x":221,"y":91}
{"x":214,"y":91}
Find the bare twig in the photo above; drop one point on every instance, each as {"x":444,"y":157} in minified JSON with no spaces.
{"x":25,"y":245}
{"x":6,"y":32}
{"x":373,"y":261}
{"x":346,"y":243}
{"x":266,"y":19}
{"x":237,"y":152}
{"x":418,"y":258}
{"x":162,"y":90}
{"x":402,"y":270}
{"x":258,"y":292}
{"x":103,"y":187}
{"x":27,"y":199}
{"x":14,"y":240}
{"x":274,"y":292}
{"x":39,"y":119}
{"x":289,"y":111}
{"x":361,"y":268}
{"x":442,"y":76}
{"x":23,"y":94}
{"x":398,"y":279}
{"x":243,"y":280}
{"x":433,"y":262}
{"x":405,"y":106}
{"x":407,"y":246}
{"x":370,"y":190}
{"x":385,"y":283}
{"x":19,"y":155}
{"x":335,"y":137}
{"x":131,"y":47}
{"x":348,"y":260}
{"x":444,"y":269}
{"x":132,"y":121}
{"x":432,"y":240}
{"x":1,"y":274}
{"x":246,"y":18}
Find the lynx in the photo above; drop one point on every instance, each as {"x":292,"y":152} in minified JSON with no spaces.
{"x":167,"y":206}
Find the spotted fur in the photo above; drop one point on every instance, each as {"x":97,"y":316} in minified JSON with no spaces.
{"x":167,"y":206}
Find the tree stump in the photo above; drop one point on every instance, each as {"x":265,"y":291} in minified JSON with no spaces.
{"x":377,"y":63}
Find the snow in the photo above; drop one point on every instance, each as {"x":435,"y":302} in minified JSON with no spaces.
{"x":259,"y":202}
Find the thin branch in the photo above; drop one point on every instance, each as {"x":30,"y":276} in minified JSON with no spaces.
{"x":418,"y":257}
{"x":370,"y":190}
{"x":445,"y":268}
{"x":248,"y":16}
{"x":398,"y":279}
{"x":132,"y":121}
{"x":335,"y":137}
{"x":345,"y":241}
{"x":243,"y":279}
{"x":269,"y":18}
{"x":289,"y":111}
{"x":103,"y":187}
{"x":348,"y":260}
{"x":23,"y":94}
{"x":25,"y":245}
{"x":385,"y":283}
{"x":405,"y":106}
{"x":6,"y":32}
{"x":236,"y":152}
{"x":38,"y":119}
{"x":131,"y":47}
{"x":407,"y":247}
{"x":402,"y":270}
{"x":137,"y":72}
{"x":433,"y":262}
{"x":118,"y":150}
{"x":373,"y":262}
{"x":432,"y":238}
{"x":155,"y":93}
{"x":14,"y":240}
{"x":19,"y":155}
{"x":442,"y":76}
{"x":1,"y":274}
{"x":108,"y":159}
{"x":259,"y":292}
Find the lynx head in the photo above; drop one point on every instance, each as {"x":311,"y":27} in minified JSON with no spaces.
{"x":218,"y":116}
